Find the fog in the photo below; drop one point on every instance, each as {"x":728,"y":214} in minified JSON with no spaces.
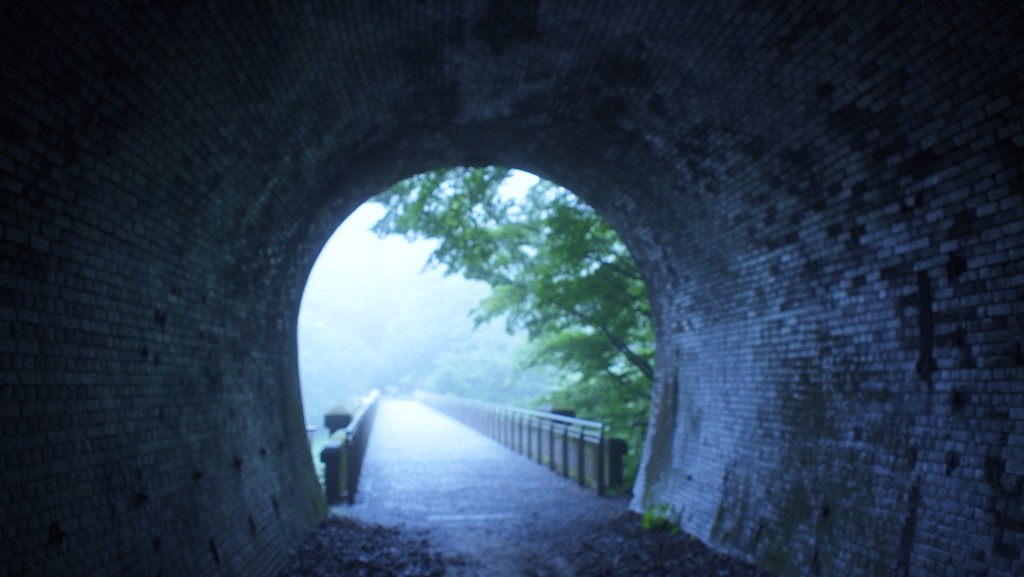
{"x":372,"y":316}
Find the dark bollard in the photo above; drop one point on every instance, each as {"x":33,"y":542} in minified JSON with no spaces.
{"x":334,"y":473}
{"x":336,"y":419}
{"x":617,"y":448}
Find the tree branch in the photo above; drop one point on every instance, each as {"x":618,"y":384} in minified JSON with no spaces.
{"x":636,"y":360}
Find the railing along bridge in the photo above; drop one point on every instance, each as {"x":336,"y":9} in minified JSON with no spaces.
{"x":574,"y":448}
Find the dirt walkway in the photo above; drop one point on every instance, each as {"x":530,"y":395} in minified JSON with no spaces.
{"x":497,"y":510}
{"x":436,"y":498}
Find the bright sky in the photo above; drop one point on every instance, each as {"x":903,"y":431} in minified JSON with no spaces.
{"x":355,"y":260}
{"x":359,"y":280}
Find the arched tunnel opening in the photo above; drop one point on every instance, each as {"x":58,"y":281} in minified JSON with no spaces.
{"x":825,"y":202}
{"x":487,"y":284}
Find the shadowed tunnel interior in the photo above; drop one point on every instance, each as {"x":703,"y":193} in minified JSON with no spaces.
{"x":826,"y":204}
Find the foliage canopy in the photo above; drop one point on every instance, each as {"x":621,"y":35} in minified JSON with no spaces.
{"x":556,"y":270}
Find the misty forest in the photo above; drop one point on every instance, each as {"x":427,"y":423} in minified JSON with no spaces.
{"x":486,"y":283}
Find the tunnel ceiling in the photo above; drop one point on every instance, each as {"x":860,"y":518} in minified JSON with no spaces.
{"x":825,"y":201}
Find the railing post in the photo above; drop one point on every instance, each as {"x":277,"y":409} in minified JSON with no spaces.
{"x":600,"y":462}
{"x":551,"y":445}
{"x":565,"y":450}
{"x":529,"y":436}
{"x":540,"y":440}
{"x":522,"y":431}
{"x":332,"y":458}
{"x":528,"y":428}
{"x":580,"y":459}
{"x":616,"y":449}
{"x":542,"y":426}
{"x":352,"y":472}
{"x":504,"y":427}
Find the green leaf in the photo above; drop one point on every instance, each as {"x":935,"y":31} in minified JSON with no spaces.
{"x":557,"y":272}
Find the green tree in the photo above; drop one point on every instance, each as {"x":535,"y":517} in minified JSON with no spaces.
{"x":556,"y":270}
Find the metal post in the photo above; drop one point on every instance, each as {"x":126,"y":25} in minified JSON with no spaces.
{"x":352,"y":474}
{"x":551,"y":445}
{"x":616,"y":449}
{"x":521,"y":428}
{"x":331,"y":457}
{"x":506,"y":438}
{"x":580,"y":448}
{"x":540,"y":440}
{"x":565,"y":451}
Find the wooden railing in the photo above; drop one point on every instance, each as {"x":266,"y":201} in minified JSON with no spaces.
{"x":342,"y":456}
{"x":574,"y":448}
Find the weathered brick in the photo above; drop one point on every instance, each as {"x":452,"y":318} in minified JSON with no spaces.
{"x":194,"y":159}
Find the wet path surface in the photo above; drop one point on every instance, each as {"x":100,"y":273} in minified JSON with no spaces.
{"x":496,"y":511}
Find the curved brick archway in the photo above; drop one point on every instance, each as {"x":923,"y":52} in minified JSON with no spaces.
{"x":826,"y":205}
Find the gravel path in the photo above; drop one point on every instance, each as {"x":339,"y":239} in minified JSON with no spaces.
{"x":437,"y":498}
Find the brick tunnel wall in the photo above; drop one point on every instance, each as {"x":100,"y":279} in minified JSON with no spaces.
{"x":826,"y":204}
